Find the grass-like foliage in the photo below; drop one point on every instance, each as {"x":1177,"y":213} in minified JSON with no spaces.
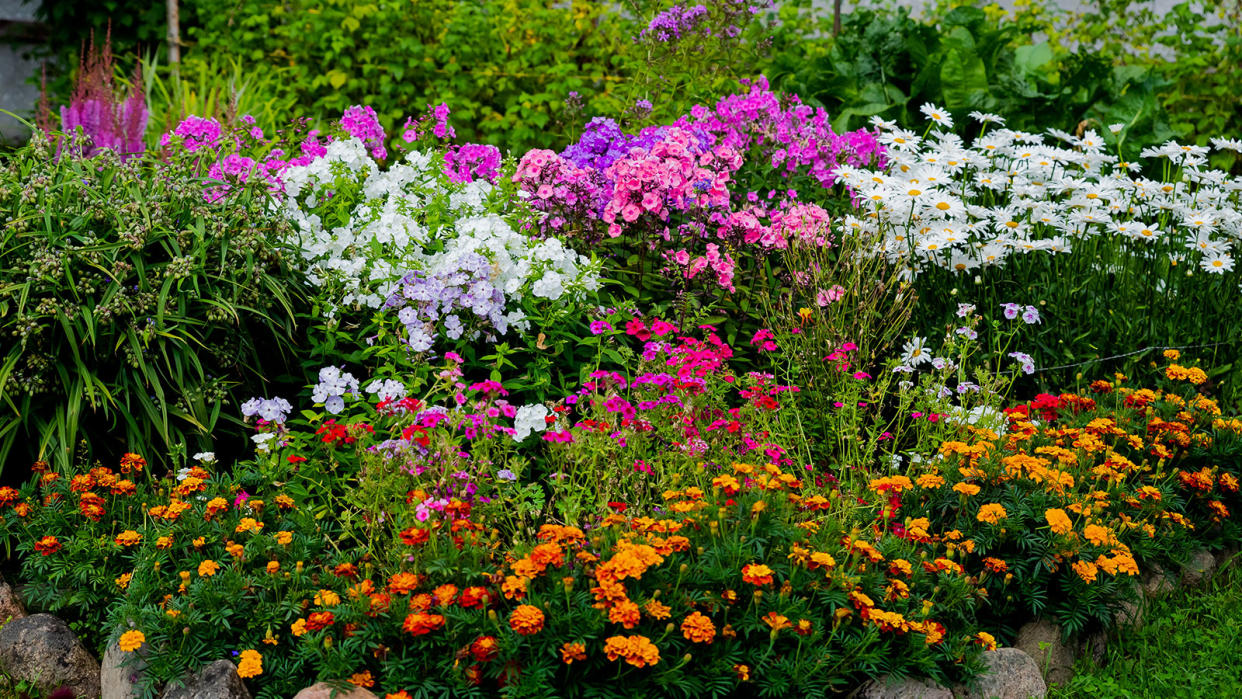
{"x":132,"y":308}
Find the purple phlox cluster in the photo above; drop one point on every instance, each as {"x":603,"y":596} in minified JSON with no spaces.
{"x":674,"y":23}
{"x":454,"y":300}
{"x":334,"y":384}
{"x":467,"y":162}
{"x":1030,"y":314}
{"x":270,"y":409}
{"x":1027,"y":363}
{"x":110,"y":119}
{"x":362,"y":123}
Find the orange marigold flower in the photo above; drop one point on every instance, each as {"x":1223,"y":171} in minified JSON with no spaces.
{"x":415,"y":536}
{"x":638,"y":651}
{"x":527,"y":620}
{"x":248,"y":524}
{"x":298,"y":627}
{"x":966,"y":489}
{"x":403,"y":583}
{"x":776,"y":621}
{"x":131,"y":641}
{"x":657,"y":611}
{"x":1058,"y":520}
{"x":484,"y":648}
{"x":319,"y":620}
{"x":474,"y":597}
{"x":420,"y":623}
{"x":208,"y":568}
{"x":1097,"y":535}
{"x":399,"y":695}
{"x":991,"y":513}
{"x":123,"y":581}
{"x":571,"y":652}
{"x":742,"y":672}
{"x":514,"y":587}
{"x":250,"y":664}
{"x":283,"y":538}
{"x":129,"y":537}
{"x":1086,"y":570}
{"x":698,"y":628}
{"x":132,"y":462}
{"x":757,"y":574}
{"x":273,"y":567}
{"x":995,"y":565}
{"x":444,"y":595}
{"x":929,"y":481}
{"x":625,"y":613}
{"x":362,"y":679}
{"x":804,"y":627}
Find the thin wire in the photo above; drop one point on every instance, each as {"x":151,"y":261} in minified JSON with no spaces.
{"x":1120,"y":356}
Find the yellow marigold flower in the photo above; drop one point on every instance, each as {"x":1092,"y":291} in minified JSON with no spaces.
{"x":776,"y":621}
{"x":991,"y":513}
{"x":1086,"y":570}
{"x":698,"y":628}
{"x":742,"y":671}
{"x":131,"y":641}
{"x":1058,"y":520}
{"x":966,"y":489}
{"x":986,"y":640}
{"x":930,"y":481}
{"x":327,"y":598}
{"x":526,"y":620}
{"x":128,"y":537}
{"x":248,"y":524}
{"x":571,"y":652}
{"x":1172,"y":355}
{"x":273,"y":567}
{"x":235,"y":550}
{"x":298,"y":627}
{"x":250,"y":664}
{"x":283,"y":538}
{"x":123,"y":581}
{"x":208,"y":568}
{"x":200,"y":542}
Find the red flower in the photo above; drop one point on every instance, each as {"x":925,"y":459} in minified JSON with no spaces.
{"x":618,"y":506}
{"x":47,"y":546}
{"x":295,"y":459}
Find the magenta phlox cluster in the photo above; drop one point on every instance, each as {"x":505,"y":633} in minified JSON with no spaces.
{"x":471,"y":161}
{"x":362,"y":123}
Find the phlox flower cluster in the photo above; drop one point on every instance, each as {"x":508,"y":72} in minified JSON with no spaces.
{"x":471,"y":161}
{"x":441,"y":252}
{"x":673,"y":185}
{"x":361,"y":123}
{"x":270,"y":409}
{"x":943,"y":203}
{"x":674,"y":22}
{"x":719,"y":20}
{"x":333,"y":385}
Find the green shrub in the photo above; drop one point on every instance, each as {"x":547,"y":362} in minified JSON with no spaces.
{"x":133,"y":309}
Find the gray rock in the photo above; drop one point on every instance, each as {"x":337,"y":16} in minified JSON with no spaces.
{"x":1042,"y":641}
{"x":41,"y":650}
{"x":1132,"y":611}
{"x":908,"y":688}
{"x":1198,"y":569}
{"x":1227,"y":557}
{"x":218,"y":680}
{"x":1157,"y":583}
{"x":1010,"y":674}
{"x":323,"y":690}
{"x":122,"y":673}
{"x":1096,"y":645}
{"x":11,"y":606}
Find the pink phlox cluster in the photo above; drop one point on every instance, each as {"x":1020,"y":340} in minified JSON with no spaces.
{"x":194,"y":133}
{"x":566,"y":193}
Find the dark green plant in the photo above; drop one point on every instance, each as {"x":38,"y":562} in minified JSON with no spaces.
{"x":133,"y":309}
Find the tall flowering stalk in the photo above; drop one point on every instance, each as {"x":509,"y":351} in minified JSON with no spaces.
{"x":110,"y":118}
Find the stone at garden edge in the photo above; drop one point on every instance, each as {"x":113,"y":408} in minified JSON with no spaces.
{"x":40,"y":649}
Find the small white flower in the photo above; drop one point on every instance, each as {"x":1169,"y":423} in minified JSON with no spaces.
{"x":915,"y":353}
{"x":937,"y":115}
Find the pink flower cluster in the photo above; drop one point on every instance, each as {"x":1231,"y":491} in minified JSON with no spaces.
{"x":471,"y":161}
{"x":566,"y":193}
{"x":362,"y":123}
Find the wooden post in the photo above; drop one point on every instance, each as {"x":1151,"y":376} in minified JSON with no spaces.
{"x":174,"y":35}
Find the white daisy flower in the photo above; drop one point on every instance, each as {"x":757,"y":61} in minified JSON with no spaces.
{"x":915,"y":352}
{"x":937,"y":115}
{"x":1217,"y":264}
